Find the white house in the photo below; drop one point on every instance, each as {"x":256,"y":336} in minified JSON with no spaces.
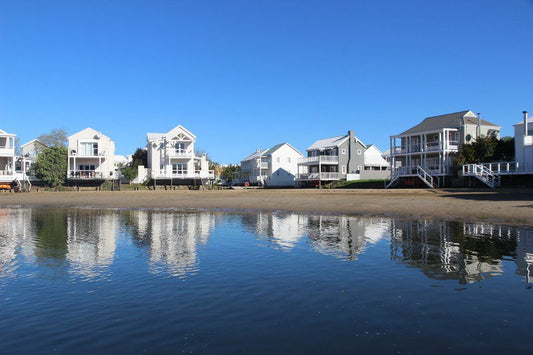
{"x":91,"y":155}
{"x":7,"y":157}
{"x":523,"y":143}
{"x":30,"y":151}
{"x":274,"y":167}
{"x":425,"y":151}
{"x":375,"y":166}
{"x":171,"y":156}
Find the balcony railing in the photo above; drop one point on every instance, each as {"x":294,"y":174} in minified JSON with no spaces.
{"x":86,"y":174}
{"x":7,"y":152}
{"x":322,"y":159}
{"x":197,"y":174}
{"x":181,"y":153}
{"x":506,"y":168}
{"x":81,"y":155}
{"x":324,"y":176}
{"x":264,"y":165}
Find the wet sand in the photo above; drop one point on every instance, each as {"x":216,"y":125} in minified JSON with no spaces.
{"x":502,"y":206}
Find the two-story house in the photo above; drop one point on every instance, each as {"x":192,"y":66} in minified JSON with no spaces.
{"x":331,"y":159}
{"x":30,"y":152}
{"x":274,"y":167}
{"x":172,"y":157}
{"x":425,"y":152}
{"x":7,"y":157}
{"x":90,"y":156}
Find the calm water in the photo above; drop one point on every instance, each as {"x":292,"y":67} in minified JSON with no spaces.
{"x":153,"y":281}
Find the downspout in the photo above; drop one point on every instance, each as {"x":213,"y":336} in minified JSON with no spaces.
{"x":525,"y":124}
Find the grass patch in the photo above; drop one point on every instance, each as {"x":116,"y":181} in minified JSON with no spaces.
{"x":363,"y":184}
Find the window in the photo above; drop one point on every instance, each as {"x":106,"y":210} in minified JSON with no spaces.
{"x":180,"y":147}
{"x":344,"y":169}
{"x":88,"y":149}
{"x":288,"y":159}
{"x":359,"y":169}
{"x":278,"y":160}
{"x":179,"y":169}
{"x":343,"y":151}
{"x":87,"y":167}
{"x":359,"y":151}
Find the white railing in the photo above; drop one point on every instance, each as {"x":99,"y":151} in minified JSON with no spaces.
{"x":80,"y":155}
{"x":505,"y":168}
{"x":7,"y":152}
{"x":181,"y":153}
{"x":323,"y":159}
{"x":483,"y":173}
{"x":85,"y":174}
{"x":426,"y":177}
{"x":325,"y":176}
{"x":197,"y":174}
{"x":264,"y":165}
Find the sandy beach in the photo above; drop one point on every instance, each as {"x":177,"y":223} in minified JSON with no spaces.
{"x":502,"y":206}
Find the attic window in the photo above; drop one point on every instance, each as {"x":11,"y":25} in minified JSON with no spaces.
{"x":359,"y":151}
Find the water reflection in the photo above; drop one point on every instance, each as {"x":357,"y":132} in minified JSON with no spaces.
{"x":91,"y":241}
{"x":85,"y":243}
{"x":172,"y":239}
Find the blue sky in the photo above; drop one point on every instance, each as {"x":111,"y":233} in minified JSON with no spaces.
{"x":243,"y":75}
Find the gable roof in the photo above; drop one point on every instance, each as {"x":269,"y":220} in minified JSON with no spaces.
{"x":254,"y":155}
{"x":328,"y":142}
{"x":521,"y":123}
{"x":33,"y":141}
{"x":449,"y":120}
{"x":5,"y":133}
{"x":172,"y":132}
{"x":88,"y":129}
{"x":277,"y":146}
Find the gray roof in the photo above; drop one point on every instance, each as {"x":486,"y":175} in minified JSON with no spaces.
{"x":450,"y":120}
{"x":154,"y":136}
{"x":268,"y":152}
{"x":254,"y":155}
{"x":328,"y":143}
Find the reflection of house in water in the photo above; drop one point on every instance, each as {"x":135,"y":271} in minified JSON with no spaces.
{"x":524,"y":253}
{"x":173,"y":238}
{"x":91,"y":240}
{"x":15,"y":231}
{"x":284,"y":229}
{"x":337,"y":235}
{"x":467,"y":252}
{"x":343,"y":236}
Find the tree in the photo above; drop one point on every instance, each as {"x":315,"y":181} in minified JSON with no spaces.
{"x":140,"y":157}
{"x":485,"y":150}
{"x":227,"y":172}
{"x":51,"y":165}
{"x":56,"y":137}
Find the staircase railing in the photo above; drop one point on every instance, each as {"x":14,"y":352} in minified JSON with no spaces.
{"x":482,"y":173}
{"x":427,"y":178}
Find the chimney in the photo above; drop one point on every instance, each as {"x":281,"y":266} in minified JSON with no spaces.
{"x":351,"y":134}
{"x":478,"y":125}
{"x":525,"y":123}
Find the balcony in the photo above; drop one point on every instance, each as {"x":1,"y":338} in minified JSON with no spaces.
{"x":321,"y":159}
{"x":73,"y":153}
{"x":264,"y":165}
{"x":324,"y":176}
{"x":181,"y":153}
{"x":7,"y":152}
{"x":86,"y":175}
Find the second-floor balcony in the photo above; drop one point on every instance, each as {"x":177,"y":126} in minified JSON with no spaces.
{"x":320,"y":159}
{"x":7,"y":152}
{"x":74,"y":153}
{"x":181,"y":153}
{"x":428,"y":147}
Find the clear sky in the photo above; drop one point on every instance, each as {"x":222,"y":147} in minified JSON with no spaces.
{"x":246,"y":74}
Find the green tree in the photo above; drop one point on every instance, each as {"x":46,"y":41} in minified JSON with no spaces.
{"x":485,"y":150}
{"x":51,"y":165}
{"x":56,"y":137}
{"x":139,"y":158}
{"x":227,"y":172}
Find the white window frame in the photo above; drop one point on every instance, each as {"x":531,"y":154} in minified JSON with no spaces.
{"x":359,"y":151}
{"x":344,"y":169}
{"x":343,"y":151}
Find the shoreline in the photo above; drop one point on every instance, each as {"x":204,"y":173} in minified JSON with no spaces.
{"x":514,"y":207}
